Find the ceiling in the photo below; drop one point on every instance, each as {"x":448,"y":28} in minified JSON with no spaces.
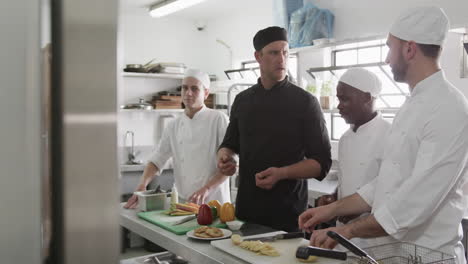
{"x":209,"y":9}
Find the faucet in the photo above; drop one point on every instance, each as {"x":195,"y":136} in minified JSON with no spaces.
{"x":131,"y":154}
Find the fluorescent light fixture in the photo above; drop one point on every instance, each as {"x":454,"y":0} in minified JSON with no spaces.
{"x":460,"y":30}
{"x":170,"y":6}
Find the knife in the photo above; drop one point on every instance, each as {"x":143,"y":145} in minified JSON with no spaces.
{"x":277,"y":237}
{"x":184,"y":220}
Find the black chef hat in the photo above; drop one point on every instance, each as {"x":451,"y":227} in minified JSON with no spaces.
{"x":268,"y":35}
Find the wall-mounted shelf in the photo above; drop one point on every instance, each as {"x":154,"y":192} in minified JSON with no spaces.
{"x":333,"y":43}
{"x":158,"y":111}
{"x":154,"y":75}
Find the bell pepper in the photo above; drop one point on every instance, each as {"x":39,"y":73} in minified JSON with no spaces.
{"x":227,"y":213}
{"x":217,"y":204}
{"x":204,"y":216}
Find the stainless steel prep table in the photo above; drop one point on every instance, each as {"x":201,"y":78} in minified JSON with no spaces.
{"x":192,"y":250}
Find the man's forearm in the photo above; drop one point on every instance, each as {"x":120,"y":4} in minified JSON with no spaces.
{"x":366,"y":227}
{"x":216,"y":180}
{"x":351,"y":205}
{"x":148,"y":174}
{"x":303,"y":169}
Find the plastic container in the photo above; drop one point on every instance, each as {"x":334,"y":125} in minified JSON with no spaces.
{"x":149,"y":201}
{"x":234,"y":225}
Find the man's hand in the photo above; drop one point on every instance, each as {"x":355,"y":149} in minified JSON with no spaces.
{"x":132,"y":203}
{"x":326,"y":199}
{"x":226,"y":162}
{"x":320,"y":238}
{"x":314,"y":216}
{"x":199,"y":196}
{"x":268,"y":178}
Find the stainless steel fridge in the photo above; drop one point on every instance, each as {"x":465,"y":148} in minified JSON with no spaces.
{"x":59,"y":184}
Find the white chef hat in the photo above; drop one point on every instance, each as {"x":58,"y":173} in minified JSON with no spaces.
{"x":423,"y":25}
{"x":199,"y":75}
{"x":363,"y":80}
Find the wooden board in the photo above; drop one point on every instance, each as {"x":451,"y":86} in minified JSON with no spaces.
{"x":165,"y":221}
{"x":286,"y":248}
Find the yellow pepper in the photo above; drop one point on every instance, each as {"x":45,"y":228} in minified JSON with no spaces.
{"x":227,"y":213}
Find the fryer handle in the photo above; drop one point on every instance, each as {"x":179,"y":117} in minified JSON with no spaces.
{"x":347,"y":244}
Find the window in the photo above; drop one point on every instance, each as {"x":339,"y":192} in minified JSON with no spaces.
{"x":371,"y":56}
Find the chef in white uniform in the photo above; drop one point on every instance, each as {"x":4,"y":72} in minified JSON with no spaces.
{"x":191,"y":140}
{"x":417,"y":196}
{"x":360,"y":148}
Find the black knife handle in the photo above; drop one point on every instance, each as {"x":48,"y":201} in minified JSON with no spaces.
{"x":305,"y":252}
{"x":347,"y":244}
{"x":293,"y":235}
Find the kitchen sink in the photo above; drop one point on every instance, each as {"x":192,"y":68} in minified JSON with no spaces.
{"x":163,"y":257}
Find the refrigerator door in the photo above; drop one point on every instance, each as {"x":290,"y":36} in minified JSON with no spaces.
{"x":83,"y":132}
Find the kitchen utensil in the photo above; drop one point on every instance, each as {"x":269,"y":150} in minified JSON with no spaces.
{"x":141,"y":105}
{"x":156,"y":190}
{"x":135,"y":68}
{"x":277,"y":237}
{"x":184,"y":220}
{"x":305,"y":252}
{"x":351,"y":246}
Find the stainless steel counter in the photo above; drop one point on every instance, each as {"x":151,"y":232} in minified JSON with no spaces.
{"x":193,"y":250}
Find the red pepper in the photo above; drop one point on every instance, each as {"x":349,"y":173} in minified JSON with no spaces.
{"x":205,"y":216}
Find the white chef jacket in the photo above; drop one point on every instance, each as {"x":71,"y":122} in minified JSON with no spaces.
{"x":193,"y":144}
{"x":417,"y":196}
{"x":359,"y":156}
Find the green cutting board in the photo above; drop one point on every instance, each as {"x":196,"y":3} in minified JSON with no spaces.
{"x":165,"y":221}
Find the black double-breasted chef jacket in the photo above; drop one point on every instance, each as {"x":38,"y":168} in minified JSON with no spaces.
{"x":275,"y":128}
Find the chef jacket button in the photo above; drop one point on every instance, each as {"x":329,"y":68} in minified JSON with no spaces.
{"x":361,"y":163}
{"x":180,"y":142}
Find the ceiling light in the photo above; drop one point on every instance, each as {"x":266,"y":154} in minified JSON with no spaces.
{"x":460,"y":30}
{"x":170,"y":6}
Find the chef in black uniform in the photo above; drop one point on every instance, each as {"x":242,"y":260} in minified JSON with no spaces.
{"x":279,"y":132}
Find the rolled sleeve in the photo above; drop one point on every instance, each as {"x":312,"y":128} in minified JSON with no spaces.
{"x":163,"y":152}
{"x":222,"y":125}
{"x":367,"y":192}
{"x":389,"y":223}
{"x":317,"y":142}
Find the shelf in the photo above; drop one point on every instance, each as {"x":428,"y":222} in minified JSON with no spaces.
{"x":174,"y":76}
{"x":333,"y":43}
{"x":158,"y":111}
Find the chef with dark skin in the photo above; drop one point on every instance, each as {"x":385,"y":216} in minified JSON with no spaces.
{"x":280,"y":135}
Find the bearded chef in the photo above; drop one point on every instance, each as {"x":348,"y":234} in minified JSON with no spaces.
{"x":360,"y":148}
{"x":417,"y":196}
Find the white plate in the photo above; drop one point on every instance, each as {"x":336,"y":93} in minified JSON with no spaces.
{"x":226,"y":234}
